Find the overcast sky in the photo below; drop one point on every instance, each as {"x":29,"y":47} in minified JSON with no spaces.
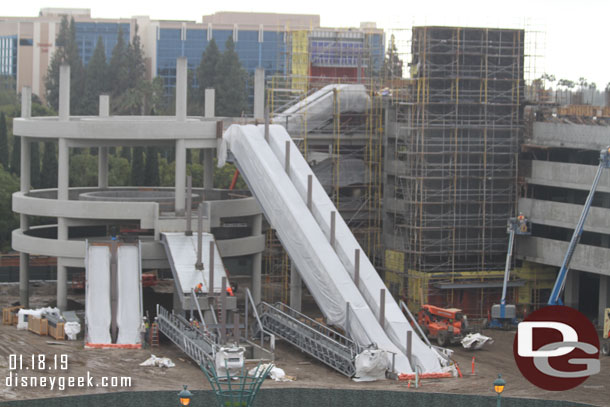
{"x":572,"y":35}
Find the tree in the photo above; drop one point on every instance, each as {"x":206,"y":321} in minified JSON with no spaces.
{"x":231,"y":83}
{"x":4,"y":157}
{"x":35,"y":164}
{"x":9,"y":184}
{"x":83,"y":170}
{"x":117,"y":68}
{"x":16,"y":156}
{"x":206,"y":72}
{"x":67,"y":53}
{"x":48,"y":178}
{"x":126,"y":153}
{"x":96,"y":79}
{"x":138,"y":174}
{"x":119,"y":172}
{"x":392,"y":65}
{"x":151,"y":176}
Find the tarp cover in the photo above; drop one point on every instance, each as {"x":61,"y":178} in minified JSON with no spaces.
{"x":303,"y":239}
{"x":396,"y":324}
{"x":97,"y":303}
{"x":318,"y":108}
{"x":129,"y":314}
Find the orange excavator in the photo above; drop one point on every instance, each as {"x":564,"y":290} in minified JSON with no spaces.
{"x":446,"y":325}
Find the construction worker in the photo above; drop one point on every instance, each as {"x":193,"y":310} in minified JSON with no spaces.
{"x":522,"y":222}
{"x":230,"y":291}
{"x":199,"y":288}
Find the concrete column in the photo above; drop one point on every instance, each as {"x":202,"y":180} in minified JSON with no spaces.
{"x":102,"y":167}
{"x":64,"y":92}
{"x":572,"y":288}
{"x":26,"y":102}
{"x":604,"y":298}
{"x":181,"y":78}
{"x":24,"y":258}
{"x":62,"y":285}
{"x":259,"y":94}
{"x":209,"y":109}
{"x":102,"y":155}
{"x":257,"y":229}
{"x":208,"y":154}
{"x":296,"y":288}
{"x":180,"y":177}
{"x":63,"y":169}
{"x":104,"y":105}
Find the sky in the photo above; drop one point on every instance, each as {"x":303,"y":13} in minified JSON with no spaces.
{"x":568,"y":37}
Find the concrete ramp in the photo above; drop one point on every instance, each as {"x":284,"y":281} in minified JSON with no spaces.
{"x":308,"y":245}
{"x":181,"y":252}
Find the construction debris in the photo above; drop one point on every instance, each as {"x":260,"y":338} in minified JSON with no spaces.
{"x":371,"y":365}
{"x":476,"y":341}
{"x":159,"y":362}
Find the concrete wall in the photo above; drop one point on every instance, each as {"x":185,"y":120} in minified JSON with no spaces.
{"x":547,"y":251}
{"x":564,"y":175}
{"x":565,"y":215}
{"x":570,"y":135}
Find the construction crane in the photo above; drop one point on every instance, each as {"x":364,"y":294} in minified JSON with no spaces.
{"x":503,"y":315}
{"x":604,"y":162}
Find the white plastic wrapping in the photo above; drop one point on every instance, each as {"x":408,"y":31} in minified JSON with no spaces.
{"x":129,"y":314}
{"x":184,"y":254}
{"x":396,"y":325}
{"x":72,"y":329}
{"x":301,"y":236}
{"x":21,"y":321}
{"x":97,"y":303}
{"x":371,"y":365}
{"x":318,"y":108}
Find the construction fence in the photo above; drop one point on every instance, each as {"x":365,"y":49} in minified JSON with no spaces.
{"x":293,"y":398}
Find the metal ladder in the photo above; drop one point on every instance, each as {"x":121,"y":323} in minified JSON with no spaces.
{"x":326,"y":345}
{"x":198,"y":345}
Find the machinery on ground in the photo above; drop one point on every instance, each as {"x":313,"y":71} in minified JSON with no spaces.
{"x":446,"y":325}
{"x":604,"y":162}
{"x":504,"y":316}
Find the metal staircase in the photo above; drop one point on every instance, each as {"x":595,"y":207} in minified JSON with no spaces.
{"x":324,"y":344}
{"x":197,"y":344}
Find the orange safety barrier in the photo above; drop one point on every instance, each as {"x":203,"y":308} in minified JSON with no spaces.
{"x":411,"y":376}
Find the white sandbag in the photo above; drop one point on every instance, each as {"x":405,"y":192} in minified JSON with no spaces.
{"x":371,"y":365}
{"x":72,"y":329}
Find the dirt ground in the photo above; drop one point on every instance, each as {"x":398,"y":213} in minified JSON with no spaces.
{"x":309,"y":373}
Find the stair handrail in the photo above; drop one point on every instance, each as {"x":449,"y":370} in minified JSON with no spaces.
{"x":261,"y":328}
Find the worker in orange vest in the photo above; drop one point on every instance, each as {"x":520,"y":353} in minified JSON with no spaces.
{"x":230,"y":291}
{"x":199,"y":288}
{"x":522,"y":222}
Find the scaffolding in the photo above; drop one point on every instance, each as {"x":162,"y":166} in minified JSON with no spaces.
{"x":451,"y":151}
{"x":346,"y":155}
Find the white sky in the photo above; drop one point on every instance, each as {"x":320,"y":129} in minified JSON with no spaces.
{"x":572,"y":35}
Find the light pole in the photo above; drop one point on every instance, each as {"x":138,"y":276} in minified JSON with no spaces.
{"x":499,"y":384}
{"x":185,"y":397}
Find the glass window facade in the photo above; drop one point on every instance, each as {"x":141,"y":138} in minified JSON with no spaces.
{"x":8,"y":56}
{"x":172,"y":43}
{"x":87,"y":35}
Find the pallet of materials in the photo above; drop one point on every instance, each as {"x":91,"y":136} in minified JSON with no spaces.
{"x":9,"y":315}
{"x":56,"y":326}
{"x":37,"y":325}
{"x":57,"y":331}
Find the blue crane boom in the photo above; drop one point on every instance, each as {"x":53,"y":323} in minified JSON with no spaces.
{"x":604,"y":162}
